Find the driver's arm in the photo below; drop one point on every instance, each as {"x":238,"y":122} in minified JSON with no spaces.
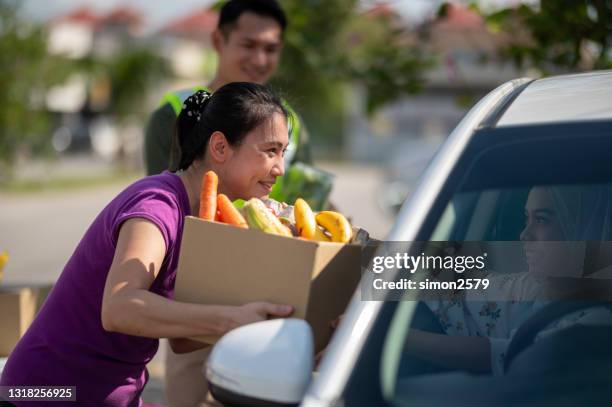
{"x":471,"y":353}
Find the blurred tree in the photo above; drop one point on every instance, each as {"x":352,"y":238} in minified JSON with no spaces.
{"x":26,"y":71}
{"x":132,"y":74}
{"x":330,"y":44}
{"x":569,"y":35}
{"x":381,"y":54}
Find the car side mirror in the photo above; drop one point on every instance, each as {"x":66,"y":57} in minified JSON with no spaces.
{"x":264,"y":363}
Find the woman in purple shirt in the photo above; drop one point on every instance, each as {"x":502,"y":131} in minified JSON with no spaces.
{"x":100,"y":325}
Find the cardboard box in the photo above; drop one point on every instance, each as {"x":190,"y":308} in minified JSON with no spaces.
{"x":222,"y":264}
{"x":18,"y":307}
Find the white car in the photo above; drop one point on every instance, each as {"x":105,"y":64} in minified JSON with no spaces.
{"x":546,"y":132}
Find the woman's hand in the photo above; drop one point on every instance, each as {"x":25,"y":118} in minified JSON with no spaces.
{"x":333,"y":324}
{"x":258,"y":311}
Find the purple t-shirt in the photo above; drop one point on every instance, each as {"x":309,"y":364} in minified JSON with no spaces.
{"x":66,"y":344}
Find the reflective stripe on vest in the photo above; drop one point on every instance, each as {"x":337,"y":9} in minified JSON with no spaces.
{"x":293,"y":125}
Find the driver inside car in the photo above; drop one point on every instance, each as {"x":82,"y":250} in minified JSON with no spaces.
{"x":472,"y":331}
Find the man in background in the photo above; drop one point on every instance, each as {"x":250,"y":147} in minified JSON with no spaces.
{"x":248,"y":41}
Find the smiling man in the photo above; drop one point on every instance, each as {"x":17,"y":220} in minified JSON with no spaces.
{"x":248,"y":41}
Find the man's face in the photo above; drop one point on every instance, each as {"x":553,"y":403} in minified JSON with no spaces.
{"x":250,"y":50}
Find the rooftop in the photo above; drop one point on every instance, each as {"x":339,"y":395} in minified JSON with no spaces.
{"x":199,"y":24}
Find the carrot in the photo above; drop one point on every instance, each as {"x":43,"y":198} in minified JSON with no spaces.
{"x":229,"y":213}
{"x":208,"y":196}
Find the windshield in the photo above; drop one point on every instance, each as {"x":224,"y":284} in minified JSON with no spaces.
{"x":543,"y":317}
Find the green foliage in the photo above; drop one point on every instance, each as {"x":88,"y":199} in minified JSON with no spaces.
{"x":133,"y":74}
{"x":556,"y":34}
{"x":330,"y":44}
{"x":383,"y":59}
{"x":26,"y":71}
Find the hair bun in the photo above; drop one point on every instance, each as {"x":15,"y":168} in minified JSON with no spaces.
{"x":195,"y":104}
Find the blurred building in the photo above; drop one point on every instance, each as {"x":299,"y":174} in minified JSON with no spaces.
{"x":83,"y":33}
{"x":80,"y":103}
{"x":186,"y":44}
{"x":403,"y":136}
{"x":467,"y":68}
{"x":72,"y":34}
{"x":467,"y":51}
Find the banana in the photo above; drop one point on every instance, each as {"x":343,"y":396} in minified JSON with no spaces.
{"x":304,"y":219}
{"x":336,"y":224}
{"x":320,"y":235}
{"x":4,"y":257}
{"x":260,"y":217}
{"x":289,"y":225}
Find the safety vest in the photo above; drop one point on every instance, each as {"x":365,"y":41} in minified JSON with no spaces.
{"x":177,"y":98}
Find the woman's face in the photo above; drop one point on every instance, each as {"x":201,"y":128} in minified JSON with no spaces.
{"x":544,"y":243}
{"x":541,"y":219}
{"x":254,"y":164}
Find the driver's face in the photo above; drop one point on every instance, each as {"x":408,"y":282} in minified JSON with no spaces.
{"x":541,"y":218}
{"x":545,"y":245}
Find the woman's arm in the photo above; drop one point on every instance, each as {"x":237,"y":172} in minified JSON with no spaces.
{"x":185,"y":345}
{"x":471,"y":353}
{"x":127,"y":306}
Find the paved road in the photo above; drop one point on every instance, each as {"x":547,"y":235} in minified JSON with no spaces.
{"x":41,"y":230}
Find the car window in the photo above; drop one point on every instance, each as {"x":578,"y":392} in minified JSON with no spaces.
{"x":503,"y":222}
{"x":556,"y":218}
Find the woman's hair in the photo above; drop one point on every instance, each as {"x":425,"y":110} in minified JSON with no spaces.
{"x":584,"y":211}
{"x":234,"y":109}
{"x":585,"y":215}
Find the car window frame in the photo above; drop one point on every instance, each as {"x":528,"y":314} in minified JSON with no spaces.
{"x":484,"y":140}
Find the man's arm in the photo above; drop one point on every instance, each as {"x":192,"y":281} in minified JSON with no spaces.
{"x":158,"y":137}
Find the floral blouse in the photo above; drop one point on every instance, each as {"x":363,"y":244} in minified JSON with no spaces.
{"x":497,"y":313}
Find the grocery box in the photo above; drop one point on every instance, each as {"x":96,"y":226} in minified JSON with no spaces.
{"x":18,"y":306}
{"x":226,"y":265}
